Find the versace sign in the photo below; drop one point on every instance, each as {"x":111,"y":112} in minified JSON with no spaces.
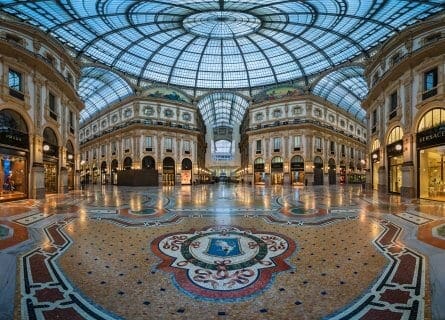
{"x":431,"y":137}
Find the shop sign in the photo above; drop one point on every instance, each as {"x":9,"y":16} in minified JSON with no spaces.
{"x":14,"y":138}
{"x":431,"y":137}
{"x":297,"y":166}
{"x":395,"y":149}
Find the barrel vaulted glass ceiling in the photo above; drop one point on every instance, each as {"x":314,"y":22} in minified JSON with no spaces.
{"x":100,"y":88}
{"x":236,"y":45}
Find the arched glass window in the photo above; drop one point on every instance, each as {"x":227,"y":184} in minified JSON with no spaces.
{"x":431,"y":119}
{"x":396,"y":134}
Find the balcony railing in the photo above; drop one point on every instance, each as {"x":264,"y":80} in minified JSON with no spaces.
{"x":429,"y":94}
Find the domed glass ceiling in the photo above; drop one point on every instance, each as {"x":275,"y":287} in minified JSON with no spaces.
{"x":221,"y":44}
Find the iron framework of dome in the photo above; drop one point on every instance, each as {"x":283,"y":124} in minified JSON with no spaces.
{"x":226,"y":45}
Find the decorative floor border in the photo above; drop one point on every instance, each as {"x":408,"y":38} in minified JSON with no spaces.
{"x":46,"y":293}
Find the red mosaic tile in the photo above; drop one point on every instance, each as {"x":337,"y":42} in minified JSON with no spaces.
{"x":395,"y":296}
{"x":48,"y":295}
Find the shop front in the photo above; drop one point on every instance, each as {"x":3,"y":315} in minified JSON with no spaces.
{"x":103,"y":173}
{"x":342,"y":172}
{"x":168,"y":172}
{"x":259,"y":172}
{"x":375,"y":160}
{"x":332,"y":171}
{"x":50,"y":161}
{"x":14,"y":156}
{"x":430,"y":141}
{"x":70,"y":165}
{"x":394,"y":152}
{"x":318,"y":171}
{"x":114,"y":166}
{"x":276,"y":171}
{"x":297,"y":171}
{"x":186,"y":171}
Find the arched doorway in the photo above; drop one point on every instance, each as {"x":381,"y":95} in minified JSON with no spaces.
{"x":70,"y":164}
{"x":50,"y":160}
{"x":186,"y":171}
{"x":318,"y":171}
{"x":342,"y":172}
{"x":276,"y":170}
{"x":394,"y":151}
{"x":148,"y":163}
{"x":297,"y":170}
{"x":14,"y":155}
{"x":114,"y":166}
{"x":103,"y":173}
{"x":258,"y":169}
{"x":168,"y":172}
{"x":332,"y":171}
{"x":128,"y":162}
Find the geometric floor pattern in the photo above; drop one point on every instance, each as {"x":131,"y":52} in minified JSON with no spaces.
{"x":221,"y":252}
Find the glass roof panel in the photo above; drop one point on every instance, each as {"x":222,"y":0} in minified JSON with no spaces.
{"x":225,"y":44}
{"x":222,"y":109}
{"x":259,"y":36}
{"x":345,"y":88}
{"x":99,"y":88}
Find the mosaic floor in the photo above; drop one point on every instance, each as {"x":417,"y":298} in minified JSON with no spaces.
{"x":222,"y":252}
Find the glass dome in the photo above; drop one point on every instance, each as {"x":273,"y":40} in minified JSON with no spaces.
{"x":221,"y":44}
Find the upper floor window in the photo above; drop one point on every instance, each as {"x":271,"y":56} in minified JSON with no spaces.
{"x":298,"y":110}
{"x":276,"y":144}
{"x":429,"y":83}
{"x":332,"y":147}
{"x":374,"y":120}
{"x":103,"y":150}
{"x":127,"y":144}
{"x":342,"y":123}
{"x":15,"y":80}
{"x":375,"y":145}
{"x":71,"y":121}
{"x":331,"y":118}
{"x":258,"y":146}
{"x":148,"y":142}
{"x":168,"y":113}
{"x":317,"y":144}
{"x":259,"y":116}
{"x":395,"y":58}
{"x":297,"y":142}
{"x":127,"y":112}
{"x":104,"y":123}
{"x":114,"y":118}
{"x":168,"y":144}
{"x":351,"y":128}
{"x":393,"y":105}
{"x":15,"y":84}
{"x":113,"y":147}
{"x":149,"y":111}
{"x":186,"y":116}
{"x":277,"y":113}
{"x":187,"y":146}
{"x":343,"y":150}
{"x":317,"y":112}
{"x":52,"y":106}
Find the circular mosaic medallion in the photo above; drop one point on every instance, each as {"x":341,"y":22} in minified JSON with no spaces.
{"x":223,"y":263}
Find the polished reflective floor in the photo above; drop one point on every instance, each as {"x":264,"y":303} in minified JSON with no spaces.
{"x":222,"y":251}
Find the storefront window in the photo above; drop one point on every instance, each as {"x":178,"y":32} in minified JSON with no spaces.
{"x":431,"y":175}
{"x":12,"y":176}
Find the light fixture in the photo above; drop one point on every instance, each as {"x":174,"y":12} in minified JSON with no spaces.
{"x":45,"y":147}
{"x":398,"y":147}
{"x":374,"y":156}
{"x":70,"y":157}
{"x":363,"y":160}
{"x":82,"y":162}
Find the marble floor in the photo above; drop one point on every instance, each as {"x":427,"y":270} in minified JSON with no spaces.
{"x":222,"y":251}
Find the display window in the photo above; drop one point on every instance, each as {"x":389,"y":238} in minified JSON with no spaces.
{"x":431,"y":173}
{"x":12,"y":177}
